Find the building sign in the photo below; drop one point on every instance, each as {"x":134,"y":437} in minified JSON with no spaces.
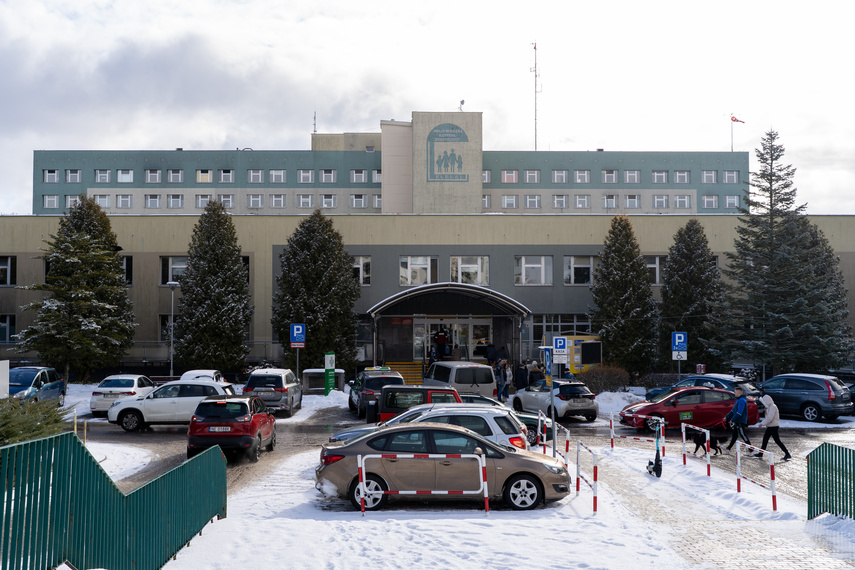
{"x":445,"y":154}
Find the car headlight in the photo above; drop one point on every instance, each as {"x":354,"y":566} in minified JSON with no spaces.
{"x":555,"y":469}
{"x":21,"y":394}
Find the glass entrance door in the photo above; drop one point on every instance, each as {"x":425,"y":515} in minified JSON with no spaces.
{"x":471,"y":335}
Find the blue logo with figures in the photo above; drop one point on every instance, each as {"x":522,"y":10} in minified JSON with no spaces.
{"x":444,"y":156}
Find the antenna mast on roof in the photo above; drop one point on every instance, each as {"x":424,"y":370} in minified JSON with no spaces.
{"x":315,"y":122}
{"x":534,"y":70}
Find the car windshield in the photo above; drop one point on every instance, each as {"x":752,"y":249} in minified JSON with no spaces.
{"x":258,"y":381}
{"x":221,"y":410}
{"x":663,"y":396}
{"x":22,"y":377}
{"x":116,"y":383}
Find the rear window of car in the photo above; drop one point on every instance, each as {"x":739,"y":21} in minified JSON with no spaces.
{"x":473,"y":376}
{"x":264,"y":382}
{"x":117,"y":383}
{"x":445,"y":397}
{"x":380,"y":381}
{"x":836,"y":382}
{"x":573,"y":390}
{"x":403,"y":400}
{"x":507,"y":425}
{"x":222,"y":410}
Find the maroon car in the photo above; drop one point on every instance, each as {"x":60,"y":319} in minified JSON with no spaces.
{"x":241,"y":423}
{"x":696,"y":405}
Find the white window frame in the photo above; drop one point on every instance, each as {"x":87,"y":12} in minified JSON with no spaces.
{"x":574,"y":266}
{"x":660,"y":177}
{"x":560,"y":176}
{"x":124,"y":201}
{"x":660,"y":201}
{"x":50,"y":201}
{"x":486,"y":200}
{"x":682,"y":177}
{"x":417,"y":270}
{"x":560,"y":201}
{"x":486,"y":176}
{"x":358,"y":200}
{"x":510,"y":201}
{"x":631,"y":176}
{"x":358,"y":176}
{"x":152,"y":176}
{"x":152,"y":201}
{"x":582,"y":176}
{"x":73,"y":176}
{"x":610,"y":176}
{"x":582,"y":201}
{"x":278,"y":200}
{"x":710,"y":200}
{"x":632,"y":201}
{"x":103,"y":200}
{"x":226,"y":176}
{"x":328,"y":201}
{"x":278,"y":175}
{"x":533,"y":270}
{"x":175,"y":176}
{"x":532,"y":176}
{"x":305,"y":200}
{"x":255,"y":176}
{"x":50,"y":176}
{"x":731,"y":201}
{"x":176,"y":265}
{"x":510,"y":176}
{"x":8,"y":263}
{"x":470,"y":269}
{"x":204,"y":176}
{"x":731,"y":177}
{"x":124,"y":176}
{"x":102,"y":176}
{"x":362,"y":269}
{"x":7,"y":325}
{"x":610,"y":201}
{"x":378,"y":201}
{"x":306,"y":176}
{"x":655,"y":265}
{"x":175,"y":201}
{"x":532,"y":201}
{"x":328,"y":176}
{"x":709,"y":176}
{"x":254,"y":201}
{"x":227,"y":200}
{"x":202,"y":200}
{"x":682,"y":202}
{"x":72,"y":201}
{"x":377,"y":176}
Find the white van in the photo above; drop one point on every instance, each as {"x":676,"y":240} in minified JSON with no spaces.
{"x":466,"y":377}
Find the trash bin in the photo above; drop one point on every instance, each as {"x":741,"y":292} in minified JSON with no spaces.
{"x":371,"y":412}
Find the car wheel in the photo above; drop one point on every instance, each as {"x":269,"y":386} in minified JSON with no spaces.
{"x":523,"y":493}
{"x":590,"y":417}
{"x":254,"y":451}
{"x":272,"y":444}
{"x":131,"y":420}
{"x":651,"y":424}
{"x":290,"y":411}
{"x":372,"y":502}
{"x":532,"y":436}
{"x":351,"y":405}
{"x":517,"y":405}
{"x":60,"y":402}
{"x":811,"y":412}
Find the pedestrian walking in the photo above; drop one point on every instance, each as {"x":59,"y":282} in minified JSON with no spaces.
{"x":521,"y":377}
{"x":772,"y":421}
{"x":509,"y":378}
{"x":738,"y":417}
{"x":499,"y":373}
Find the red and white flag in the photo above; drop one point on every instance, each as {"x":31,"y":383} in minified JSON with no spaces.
{"x":735,"y":120}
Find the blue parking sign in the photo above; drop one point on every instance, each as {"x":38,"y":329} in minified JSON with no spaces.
{"x":298,"y":335}
{"x":679,"y":341}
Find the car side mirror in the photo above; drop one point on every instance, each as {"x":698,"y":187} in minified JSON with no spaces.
{"x":350,"y":382}
{"x":675,"y":402}
{"x":478,"y":451}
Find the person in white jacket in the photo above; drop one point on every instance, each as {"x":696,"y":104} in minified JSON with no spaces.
{"x":772,"y":421}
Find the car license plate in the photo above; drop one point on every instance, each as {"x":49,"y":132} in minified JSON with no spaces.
{"x":580,"y":401}
{"x":219,"y":428}
{"x":111,"y":395}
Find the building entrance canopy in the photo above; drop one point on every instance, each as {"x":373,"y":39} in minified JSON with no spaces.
{"x":449,"y":298}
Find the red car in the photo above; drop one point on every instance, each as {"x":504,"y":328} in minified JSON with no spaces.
{"x":235,"y":423}
{"x":696,"y":405}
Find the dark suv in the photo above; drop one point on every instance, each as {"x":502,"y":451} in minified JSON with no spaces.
{"x":811,"y":396}
{"x":367,"y":387}
{"x":395,"y":399}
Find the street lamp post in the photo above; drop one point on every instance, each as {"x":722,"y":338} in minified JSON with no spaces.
{"x":172,"y":286}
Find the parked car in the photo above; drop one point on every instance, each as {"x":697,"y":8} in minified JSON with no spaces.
{"x":395,"y":399}
{"x":213,"y":375}
{"x":37,"y":383}
{"x":233,"y":422}
{"x":466,"y":377}
{"x":699,"y":406}
{"x":722,"y":381}
{"x":366,"y":387}
{"x":811,"y":396}
{"x":570,"y":399}
{"x":173,"y":403}
{"x":527,"y":418}
{"x":278,"y":387}
{"x":522,"y":478}
{"x":845,"y":375}
{"x":116,"y":387}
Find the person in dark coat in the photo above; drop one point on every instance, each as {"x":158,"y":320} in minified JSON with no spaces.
{"x":521,"y":377}
{"x":738,"y":417}
{"x":535,"y":374}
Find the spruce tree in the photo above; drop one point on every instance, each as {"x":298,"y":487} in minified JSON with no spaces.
{"x":316,"y":287}
{"x":691,"y":285}
{"x":214,"y":311}
{"x":624,"y":315}
{"x":86,"y":321}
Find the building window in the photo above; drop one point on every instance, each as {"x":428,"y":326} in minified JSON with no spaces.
{"x":369,"y":148}
{"x":7,"y":328}
{"x":470,"y":269}
{"x":128,"y":267}
{"x":710,"y":201}
{"x":255,"y":201}
{"x":609,"y":201}
{"x":578,"y":269}
{"x":359,"y":176}
{"x":102,"y":176}
{"x":255,"y":176}
{"x":532,"y":176}
{"x":378,"y":201}
{"x":204,"y":176}
{"x":306,"y":176}
{"x":418,"y":270}
{"x":560,"y":201}
{"x":328,"y":200}
{"x":277,"y":200}
{"x":708,"y":176}
{"x":631,"y":176}
{"x":660,"y":177}
{"x":633,"y":201}
{"x":660,"y":201}
{"x":582,"y":176}
{"x":304,"y":200}
{"x":486,"y":200}
{"x":152,"y":176}
{"x":532,"y":201}
{"x":103,"y":200}
{"x":227,"y":200}
{"x":124,"y":201}
{"x":327,"y":176}
{"x":682,"y":177}
{"x":583,"y":201}
{"x":72,"y":176}
{"x":533,"y":270}
{"x":171,"y":268}
{"x":202,"y":200}
{"x":377,"y":176}
{"x":559,"y":177}
{"x":50,"y":176}
{"x":175,"y":200}
{"x":71,"y":201}
{"x":655,"y":264}
{"x":609,"y":176}
{"x":731,"y":201}
{"x":50,"y":201}
{"x":277,"y":176}
{"x":152,"y":200}
{"x":682,"y":202}
{"x":486,"y":176}
{"x":124,"y":176}
{"x":509,"y":201}
{"x":358,"y":200}
{"x":509,"y":176}
{"x":175,"y":176}
{"x":227,"y":176}
{"x":8,"y":270}
{"x":731,"y":177}
{"x":362,"y":269}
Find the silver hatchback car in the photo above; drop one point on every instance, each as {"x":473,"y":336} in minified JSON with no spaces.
{"x":278,"y":387}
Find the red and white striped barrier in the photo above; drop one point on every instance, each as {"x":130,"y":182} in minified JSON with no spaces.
{"x":740,"y":477}
{"x":659,"y":420}
{"x":579,"y":477}
{"x":481,"y":464}
{"x":706,"y":432}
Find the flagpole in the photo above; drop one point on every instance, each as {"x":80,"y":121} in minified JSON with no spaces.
{"x":731,"y":135}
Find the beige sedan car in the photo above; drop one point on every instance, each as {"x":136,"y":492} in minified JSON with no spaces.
{"x":523,"y":479}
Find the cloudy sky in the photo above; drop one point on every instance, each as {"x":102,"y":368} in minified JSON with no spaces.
{"x":623,"y":76}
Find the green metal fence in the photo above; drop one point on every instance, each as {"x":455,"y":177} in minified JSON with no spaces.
{"x":831,"y":481}
{"x":57,"y":504}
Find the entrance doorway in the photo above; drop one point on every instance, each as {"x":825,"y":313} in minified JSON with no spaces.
{"x":471,"y":335}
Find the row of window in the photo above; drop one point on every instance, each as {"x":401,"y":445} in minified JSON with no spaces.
{"x":206,"y":176}
{"x":610,"y":201}
{"x":612,"y":176}
{"x":175,"y":201}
